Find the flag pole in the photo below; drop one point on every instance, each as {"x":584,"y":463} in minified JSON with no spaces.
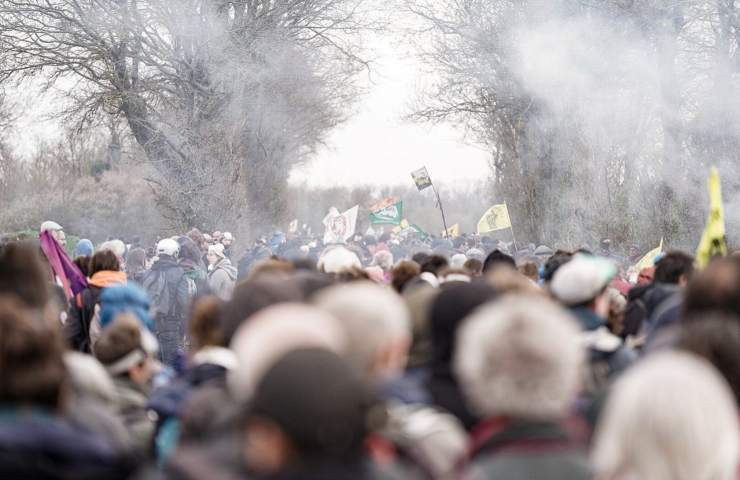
{"x":511,"y":227}
{"x":439,"y":202}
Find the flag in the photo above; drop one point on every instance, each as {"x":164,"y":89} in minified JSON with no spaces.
{"x":713,"y":239}
{"x":73,"y":281}
{"x":649,"y":259}
{"x":422,"y":234}
{"x":340,"y":226}
{"x":387,"y":215}
{"x":452,"y":232}
{"x":421,"y":178}
{"x":495,"y":218}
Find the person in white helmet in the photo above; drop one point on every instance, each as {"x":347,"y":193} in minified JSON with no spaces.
{"x":170,"y":290}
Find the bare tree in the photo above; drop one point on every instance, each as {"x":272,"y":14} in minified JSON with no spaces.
{"x":600,"y":115}
{"x":224,"y":97}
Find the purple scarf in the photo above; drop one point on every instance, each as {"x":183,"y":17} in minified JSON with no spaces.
{"x":73,"y":281}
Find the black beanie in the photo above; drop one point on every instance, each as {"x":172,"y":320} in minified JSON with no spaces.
{"x":319,"y":402}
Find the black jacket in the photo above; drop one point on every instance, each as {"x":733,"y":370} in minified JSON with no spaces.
{"x":527,"y":451}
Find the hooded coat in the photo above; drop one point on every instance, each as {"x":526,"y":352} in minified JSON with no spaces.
{"x":222,"y":279}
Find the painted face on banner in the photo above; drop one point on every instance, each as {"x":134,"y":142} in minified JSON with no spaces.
{"x":339,"y":226}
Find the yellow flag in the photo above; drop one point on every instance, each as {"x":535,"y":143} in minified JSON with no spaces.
{"x":452,"y":232}
{"x":713,"y":239}
{"x":496,"y":218}
{"x":649,"y":259}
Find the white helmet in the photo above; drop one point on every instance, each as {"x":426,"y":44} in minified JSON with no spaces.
{"x":167,"y":246}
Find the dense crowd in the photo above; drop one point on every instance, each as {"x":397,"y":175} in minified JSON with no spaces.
{"x":389,"y":357}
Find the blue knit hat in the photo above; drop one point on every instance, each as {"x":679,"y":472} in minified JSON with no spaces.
{"x":125,"y":298}
{"x":84,"y":248}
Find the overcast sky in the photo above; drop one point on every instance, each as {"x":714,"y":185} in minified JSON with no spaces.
{"x":377,"y":146}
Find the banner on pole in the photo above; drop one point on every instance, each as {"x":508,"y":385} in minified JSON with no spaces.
{"x":340,"y":226}
{"x":387,"y":214}
{"x":648,"y":260}
{"x":496,"y":218}
{"x":452,"y":232}
{"x":713,"y":241}
{"x":421,"y":178}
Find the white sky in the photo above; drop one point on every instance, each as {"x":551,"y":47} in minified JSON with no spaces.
{"x":376,"y":146}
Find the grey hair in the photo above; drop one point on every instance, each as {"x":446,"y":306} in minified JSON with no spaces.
{"x":520,"y":357}
{"x":671,"y":417}
{"x":274,"y":332}
{"x":372,"y":317}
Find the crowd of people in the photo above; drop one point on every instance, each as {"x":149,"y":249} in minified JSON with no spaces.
{"x":389,"y":357}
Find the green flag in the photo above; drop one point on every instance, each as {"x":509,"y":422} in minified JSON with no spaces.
{"x":388,"y":215}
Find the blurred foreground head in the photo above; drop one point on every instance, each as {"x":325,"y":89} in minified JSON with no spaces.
{"x":31,"y":365}
{"x":309,"y":409}
{"x":671,"y":417}
{"x":272,"y":333}
{"x":376,"y":323}
{"x":520,"y":357}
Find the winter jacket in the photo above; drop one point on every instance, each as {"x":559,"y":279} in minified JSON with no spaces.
{"x":197,"y":273}
{"x":170,"y":291}
{"x":525,"y":451}
{"x":131,"y":406}
{"x":222,"y":279}
{"x":82,"y":310}
{"x":36,"y":445}
{"x":428,"y":443}
{"x":608,"y":355}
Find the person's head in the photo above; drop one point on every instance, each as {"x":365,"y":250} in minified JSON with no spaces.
{"x":115,"y":246}
{"x":715,"y":337}
{"x":198,"y":239}
{"x":206,"y":327}
{"x":376,"y":324}
{"x":617,"y":307}
{"x":216,"y":253}
{"x":646,"y":276}
{"x":458,"y":260}
{"x":497,"y":259}
{"x":190,"y":251}
{"x":121,"y":350}
{"x":675,"y":268}
{"x":87,"y":379}
{"x":128,"y":298}
{"x":104,"y":260}
{"x":420,"y":257}
{"x":136,"y":260}
{"x":383,"y":259}
{"x":83,"y":264}
{"x":670,"y":417}
{"x":56,"y":231}
{"x":605,"y":245}
{"x":714,"y":289}
{"x":272,"y":333}
{"x":474,"y":267}
{"x":251,"y":296}
{"x":84,"y":248}
{"x":434,"y":264}
{"x":337,"y":260}
{"x":32,"y":373}
{"x":530,"y":270}
{"x":520,"y":357}
{"x":583,"y":282}
{"x":402,"y":273}
{"x":450,"y":307}
{"x":227,"y":239}
{"x":557,"y":260}
{"x":309,"y":407}
{"x":168,"y":247}
{"x":22,"y":273}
